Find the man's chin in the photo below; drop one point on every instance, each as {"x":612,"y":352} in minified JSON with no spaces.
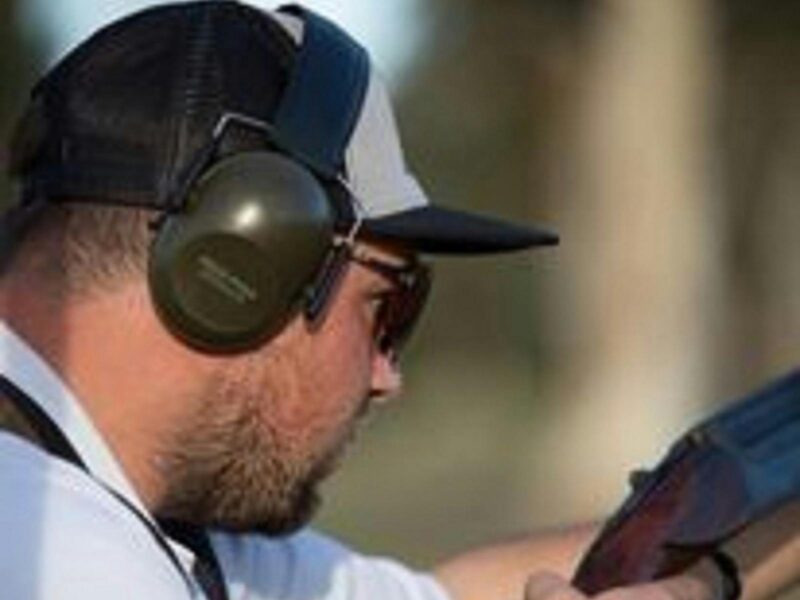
{"x":276,"y":509}
{"x":307,"y":500}
{"x":272,"y":524}
{"x":302,"y":516}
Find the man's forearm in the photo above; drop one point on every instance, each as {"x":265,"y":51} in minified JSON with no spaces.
{"x":499,"y":572}
{"x":768,"y":554}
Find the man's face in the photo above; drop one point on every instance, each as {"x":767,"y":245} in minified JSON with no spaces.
{"x":273,"y":423}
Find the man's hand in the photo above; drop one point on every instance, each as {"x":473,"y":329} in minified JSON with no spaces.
{"x":696,"y":585}
{"x":767,"y":555}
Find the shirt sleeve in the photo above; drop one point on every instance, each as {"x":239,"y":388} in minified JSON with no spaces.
{"x":311,"y":566}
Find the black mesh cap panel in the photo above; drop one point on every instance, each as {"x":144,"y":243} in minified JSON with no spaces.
{"x":126,"y":112}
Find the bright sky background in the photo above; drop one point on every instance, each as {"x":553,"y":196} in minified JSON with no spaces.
{"x":388,"y":28}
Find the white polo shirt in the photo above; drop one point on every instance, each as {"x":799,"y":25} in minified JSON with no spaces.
{"x":66,"y":534}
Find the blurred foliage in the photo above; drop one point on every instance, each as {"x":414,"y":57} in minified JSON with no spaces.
{"x":477,"y":114}
{"x":483,"y":113}
{"x":18,"y":61}
{"x":758,"y":143}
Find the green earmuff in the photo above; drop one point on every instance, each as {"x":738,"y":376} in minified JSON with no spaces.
{"x":230,"y":269}
{"x":248,"y":241}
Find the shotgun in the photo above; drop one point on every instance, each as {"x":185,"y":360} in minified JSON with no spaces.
{"x":727,"y":472}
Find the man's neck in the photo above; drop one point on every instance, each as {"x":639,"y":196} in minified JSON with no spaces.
{"x":130,"y":377}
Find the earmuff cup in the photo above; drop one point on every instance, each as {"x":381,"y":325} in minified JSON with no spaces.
{"x":229,"y":270}
{"x":250,"y":236}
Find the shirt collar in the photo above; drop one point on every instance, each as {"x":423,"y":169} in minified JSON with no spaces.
{"x":22,"y":365}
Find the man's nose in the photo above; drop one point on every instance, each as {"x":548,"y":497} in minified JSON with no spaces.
{"x":387,"y":380}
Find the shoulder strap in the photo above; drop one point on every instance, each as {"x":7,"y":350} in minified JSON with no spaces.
{"x":48,"y":436}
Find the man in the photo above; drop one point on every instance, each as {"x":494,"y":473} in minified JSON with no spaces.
{"x":210,"y":273}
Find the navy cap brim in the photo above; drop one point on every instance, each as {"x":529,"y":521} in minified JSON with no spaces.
{"x":436,"y":230}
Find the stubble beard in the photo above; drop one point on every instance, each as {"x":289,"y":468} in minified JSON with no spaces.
{"x":229,"y":469}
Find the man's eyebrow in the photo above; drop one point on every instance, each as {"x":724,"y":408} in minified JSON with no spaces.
{"x":393,"y":260}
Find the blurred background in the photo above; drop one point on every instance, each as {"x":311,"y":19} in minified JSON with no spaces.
{"x":660,"y":138}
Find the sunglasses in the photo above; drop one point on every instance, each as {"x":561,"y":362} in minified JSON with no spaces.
{"x":400,"y":306}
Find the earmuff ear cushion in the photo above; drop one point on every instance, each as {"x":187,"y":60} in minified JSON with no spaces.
{"x":230,"y":270}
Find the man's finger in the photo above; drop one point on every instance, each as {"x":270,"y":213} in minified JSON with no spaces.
{"x":680,"y":587}
{"x":549,"y":586}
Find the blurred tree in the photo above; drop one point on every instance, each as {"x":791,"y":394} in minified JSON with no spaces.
{"x":634,"y":319}
{"x":759,"y":129}
{"x":478,"y":112}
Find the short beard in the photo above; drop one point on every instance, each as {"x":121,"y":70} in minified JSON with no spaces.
{"x":228,"y":470}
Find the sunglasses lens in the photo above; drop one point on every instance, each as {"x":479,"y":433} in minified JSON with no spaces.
{"x":400,"y":307}
{"x":401,"y":310}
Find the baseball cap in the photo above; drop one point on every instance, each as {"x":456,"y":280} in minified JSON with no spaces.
{"x":121,"y":119}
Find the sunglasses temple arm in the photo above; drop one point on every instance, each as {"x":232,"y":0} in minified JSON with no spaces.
{"x":319,"y":294}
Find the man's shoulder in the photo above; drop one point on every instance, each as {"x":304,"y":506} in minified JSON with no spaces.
{"x":62,"y":529}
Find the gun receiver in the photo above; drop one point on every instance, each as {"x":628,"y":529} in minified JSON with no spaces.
{"x":732,"y":469}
